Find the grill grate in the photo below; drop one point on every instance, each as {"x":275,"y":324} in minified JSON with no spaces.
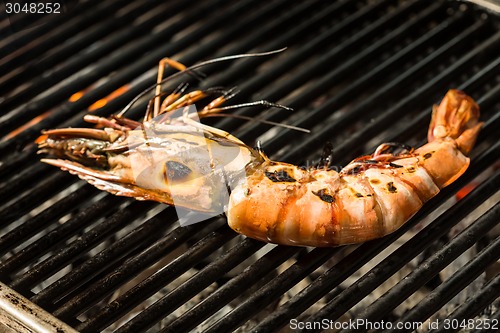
{"x":357,"y":73}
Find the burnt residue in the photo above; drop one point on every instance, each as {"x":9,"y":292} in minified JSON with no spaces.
{"x":22,"y":315}
{"x":324,"y":195}
{"x":411,"y":169}
{"x":356,"y":170}
{"x":280,"y":176}
{"x":395,"y":148}
{"x":368,"y":164}
{"x":391,"y":188}
{"x":394,"y":165}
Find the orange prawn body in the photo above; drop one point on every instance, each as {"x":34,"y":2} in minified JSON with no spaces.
{"x":187,"y":164}
{"x":371,"y":197}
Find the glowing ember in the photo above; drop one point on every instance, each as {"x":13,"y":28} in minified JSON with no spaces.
{"x":102,"y":102}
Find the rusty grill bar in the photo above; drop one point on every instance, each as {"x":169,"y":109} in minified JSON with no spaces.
{"x":357,"y":73}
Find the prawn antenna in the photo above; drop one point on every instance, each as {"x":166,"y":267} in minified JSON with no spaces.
{"x":268,"y":122}
{"x":191,"y":70}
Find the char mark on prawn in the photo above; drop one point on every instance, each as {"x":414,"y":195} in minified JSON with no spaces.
{"x":279,"y":176}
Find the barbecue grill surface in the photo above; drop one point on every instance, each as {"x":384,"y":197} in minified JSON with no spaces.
{"x":356,"y":73}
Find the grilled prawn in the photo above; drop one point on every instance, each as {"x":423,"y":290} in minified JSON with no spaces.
{"x":178,"y":161}
{"x":371,"y":197}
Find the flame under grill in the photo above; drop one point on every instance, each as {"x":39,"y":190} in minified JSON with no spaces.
{"x":357,"y":73}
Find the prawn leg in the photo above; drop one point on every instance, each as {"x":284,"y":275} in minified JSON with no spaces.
{"x":161,"y":70}
{"x":160,"y":107}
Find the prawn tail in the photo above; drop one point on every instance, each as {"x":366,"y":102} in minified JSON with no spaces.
{"x":457,"y":118}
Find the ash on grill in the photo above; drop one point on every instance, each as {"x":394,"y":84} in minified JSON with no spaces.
{"x":357,"y":73}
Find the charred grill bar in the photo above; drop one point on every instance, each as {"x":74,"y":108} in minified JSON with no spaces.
{"x":357,"y":73}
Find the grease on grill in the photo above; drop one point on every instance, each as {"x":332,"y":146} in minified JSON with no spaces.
{"x":279,"y":176}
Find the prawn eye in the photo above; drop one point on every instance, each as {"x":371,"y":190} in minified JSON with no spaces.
{"x":176,"y":171}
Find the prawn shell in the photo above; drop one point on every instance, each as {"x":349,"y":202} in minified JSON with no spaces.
{"x":358,"y":211}
{"x":395,"y":198}
{"x":321,"y":208}
{"x":434,"y":155}
{"x":287,"y":212}
{"x":413,"y":174}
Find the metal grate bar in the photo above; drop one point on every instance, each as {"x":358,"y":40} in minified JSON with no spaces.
{"x":75,"y":225}
{"x":37,"y":84}
{"x":301,"y":30}
{"x":151,"y":285}
{"x":309,"y":70}
{"x":11,"y":211}
{"x":15,"y":45}
{"x":474,"y":306}
{"x":8,"y":168}
{"x":41,"y":221}
{"x":349,"y":297}
{"x":402,"y":80}
{"x":22,"y":179}
{"x":77,"y":83}
{"x":197,"y":283}
{"x":364,"y":253}
{"x":147,"y":231}
{"x":226,"y":293}
{"x":357,"y":87}
{"x":346,"y":25}
{"x":371,"y":65}
{"x":129,"y":269}
{"x":268,"y":293}
{"x":431,"y":267}
{"x":439,"y":296}
{"x":384,"y":120}
{"x":17,"y":314}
